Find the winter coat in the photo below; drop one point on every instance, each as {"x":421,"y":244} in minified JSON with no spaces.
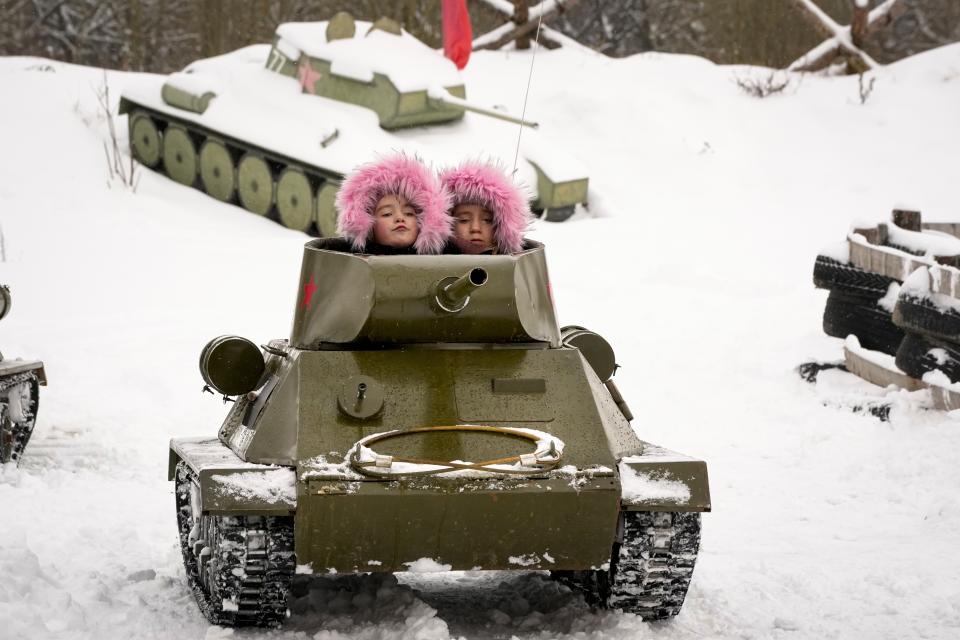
{"x":401,"y":175}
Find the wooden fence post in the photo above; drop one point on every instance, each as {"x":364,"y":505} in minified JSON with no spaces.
{"x":521,"y":15}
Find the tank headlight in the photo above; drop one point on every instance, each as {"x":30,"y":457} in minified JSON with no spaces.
{"x":231,"y":365}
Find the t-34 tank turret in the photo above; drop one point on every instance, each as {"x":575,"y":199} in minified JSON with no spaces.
{"x":20,"y":381}
{"x":422,"y":401}
{"x":274,"y":128}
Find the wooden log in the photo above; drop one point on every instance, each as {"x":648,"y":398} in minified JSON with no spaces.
{"x":830,"y":49}
{"x":907,"y":219}
{"x":858,"y":25}
{"x":521,"y":15}
{"x":529,"y":27}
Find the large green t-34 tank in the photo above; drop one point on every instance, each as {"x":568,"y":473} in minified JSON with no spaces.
{"x":428,"y":411}
{"x":274,"y":128}
{"x":20,"y":381}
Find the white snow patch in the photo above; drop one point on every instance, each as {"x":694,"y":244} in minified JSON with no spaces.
{"x":925,"y":243}
{"x":427,"y":565}
{"x":640,"y":486}
{"x":274,"y":486}
{"x":889,"y":300}
{"x":839,"y":251}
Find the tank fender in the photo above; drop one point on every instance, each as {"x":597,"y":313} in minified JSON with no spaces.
{"x":231,"y":486}
{"x":661,"y":480}
{"x":12,"y":367}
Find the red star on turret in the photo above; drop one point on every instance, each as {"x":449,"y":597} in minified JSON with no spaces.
{"x":308,"y":289}
{"x":308,"y":75}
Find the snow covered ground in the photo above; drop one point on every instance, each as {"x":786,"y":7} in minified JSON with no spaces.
{"x":707,"y":209}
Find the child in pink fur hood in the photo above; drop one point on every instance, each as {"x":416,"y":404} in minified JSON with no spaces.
{"x":489,"y":212}
{"x":394,"y":206}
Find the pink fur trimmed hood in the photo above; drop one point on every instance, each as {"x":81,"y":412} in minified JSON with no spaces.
{"x":487,"y":185}
{"x":397,"y":174}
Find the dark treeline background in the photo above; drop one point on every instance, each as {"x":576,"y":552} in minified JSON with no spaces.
{"x":165,"y":35}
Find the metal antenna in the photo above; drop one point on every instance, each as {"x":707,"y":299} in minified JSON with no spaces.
{"x":533,"y":58}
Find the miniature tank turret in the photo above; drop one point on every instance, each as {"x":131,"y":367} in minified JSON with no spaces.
{"x":274,"y":128}
{"x":20,"y":381}
{"x":421,"y":401}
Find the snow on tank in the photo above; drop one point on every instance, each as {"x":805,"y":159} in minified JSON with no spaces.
{"x":275,"y":128}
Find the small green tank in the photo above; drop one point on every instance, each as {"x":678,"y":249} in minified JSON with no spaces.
{"x":274,"y":128}
{"x":421,"y":402}
{"x":20,"y":381}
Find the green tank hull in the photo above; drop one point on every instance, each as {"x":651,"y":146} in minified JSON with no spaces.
{"x":405,"y":416}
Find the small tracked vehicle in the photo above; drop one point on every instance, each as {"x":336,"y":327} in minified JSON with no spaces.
{"x":428,"y":411}
{"x":274,"y":128}
{"x":20,"y":382}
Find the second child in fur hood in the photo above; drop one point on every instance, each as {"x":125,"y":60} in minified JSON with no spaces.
{"x":393,"y":206}
{"x":489,"y":212}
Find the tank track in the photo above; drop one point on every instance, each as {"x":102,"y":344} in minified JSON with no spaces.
{"x":15,"y":430}
{"x":240,"y":568}
{"x":650,"y":568}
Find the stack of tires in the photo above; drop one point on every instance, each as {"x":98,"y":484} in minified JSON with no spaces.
{"x":860,"y":303}
{"x":931,"y":325}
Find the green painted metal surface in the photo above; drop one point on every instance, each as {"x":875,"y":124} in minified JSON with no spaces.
{"x":326,"y":210}
{"x":255,"y":184}
{"x":394,"y":108}
{"x":145,"y":139}
{"x":216,"y":170}
{"x":179,"y":155}
{"x":524,"y":524}
{"x":183,"y":99}
{"x":556,"y":194}
{"x":295,"y":204}
{"x":372,"y":353}
{"x":391,"y":299}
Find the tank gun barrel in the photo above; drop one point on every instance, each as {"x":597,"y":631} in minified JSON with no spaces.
{"x":453,"y":294}
{"x":441,"y":95}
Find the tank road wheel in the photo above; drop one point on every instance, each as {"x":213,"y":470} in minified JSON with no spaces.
{"x":239,"y":568}
{"x":650,"y":569}
{"x":326,"y":211}
{"x":145,"y":139}
{"x":179,"y":155}
{"x":255,"y":184}
{"x":216,"y":170}
{"x":294,"y":199}
{"x":19,"y":399}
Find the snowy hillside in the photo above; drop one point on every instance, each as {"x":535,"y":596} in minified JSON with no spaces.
{"x":695,"y":260}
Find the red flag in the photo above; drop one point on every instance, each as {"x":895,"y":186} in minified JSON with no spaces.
{"x":457,"y":33}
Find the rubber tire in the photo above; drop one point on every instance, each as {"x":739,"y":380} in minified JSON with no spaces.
{"x":846,"y":278}
{"x":295,"y":199}
{"x":180,"y":160}
{"x":326,"y":210}
{"x":217,"y":171}
{"x":914,"y":358}
{"x":558,"y":214}
{"x":921,"y":315}
{"x":873,"y":325}
{"x":146,"y":141}
{"x":255,"y":184}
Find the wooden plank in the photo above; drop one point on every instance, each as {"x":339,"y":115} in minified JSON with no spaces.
{"x":875,"y":373}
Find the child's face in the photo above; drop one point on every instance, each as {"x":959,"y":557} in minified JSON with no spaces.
{"x":472,"y":228}
{"x":395,"y":222}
